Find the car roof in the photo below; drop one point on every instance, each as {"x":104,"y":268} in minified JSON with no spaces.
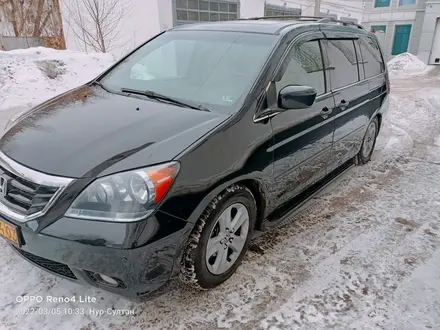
{"x":266,"y":26}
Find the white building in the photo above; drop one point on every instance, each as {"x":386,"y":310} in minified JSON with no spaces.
{"x":149,"y":17}
{"x":406,"y":26}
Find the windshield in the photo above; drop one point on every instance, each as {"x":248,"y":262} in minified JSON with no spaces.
{"x":213,"y":69}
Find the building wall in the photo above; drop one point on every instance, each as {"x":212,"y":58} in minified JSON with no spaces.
{"x":431,"y":16}
{"x":422,"y":24}
{"x":149,"y":17}
{"x":387,"y":45}
{"x":252,"y":8}
{"x":349,"y":9}
{"x":416,"y":32}
{"x":145,"y":19}
{"x":11,"y":43}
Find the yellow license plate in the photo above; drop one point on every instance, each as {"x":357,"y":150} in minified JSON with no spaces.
{"x":9,"y":232}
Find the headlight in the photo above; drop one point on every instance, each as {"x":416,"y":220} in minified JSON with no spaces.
{"x":126,"y":196}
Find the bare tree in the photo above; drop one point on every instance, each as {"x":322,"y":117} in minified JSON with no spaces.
{"x":32,"y":18}
{"x":97,"y":24}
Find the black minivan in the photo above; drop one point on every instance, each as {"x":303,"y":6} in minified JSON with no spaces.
{"x":167,"y":164}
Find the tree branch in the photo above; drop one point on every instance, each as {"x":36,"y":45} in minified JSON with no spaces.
{"x":98,"y":23}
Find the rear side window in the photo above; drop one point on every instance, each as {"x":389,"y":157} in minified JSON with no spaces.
{"x":303,"y":66}
{"x":342,"y":66}
{"x":371,"y":57}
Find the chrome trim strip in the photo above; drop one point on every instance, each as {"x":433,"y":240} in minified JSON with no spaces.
{"x":257,"y":119}
{"x":359,"y":82}
{"x":308,"y":130}
{"x":36,"y":177}
{"x":32,"y":175}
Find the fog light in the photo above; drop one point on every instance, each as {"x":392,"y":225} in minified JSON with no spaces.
{"x":108,"y":280}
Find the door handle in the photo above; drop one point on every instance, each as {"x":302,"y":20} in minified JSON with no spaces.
{"x":343,"y":104}
{"x":325,"y":112}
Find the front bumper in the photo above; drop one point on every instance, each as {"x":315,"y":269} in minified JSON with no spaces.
{"x":78,"y":250}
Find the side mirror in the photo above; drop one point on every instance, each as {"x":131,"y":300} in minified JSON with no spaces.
{"x":296,"y":97}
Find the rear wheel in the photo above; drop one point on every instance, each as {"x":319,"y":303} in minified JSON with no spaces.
{"x":220,"y":238}
{"x":364,"y":155}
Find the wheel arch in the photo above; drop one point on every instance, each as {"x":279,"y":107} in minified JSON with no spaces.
{"x":255,"y":186}
{"x":379,"y":119}
{"x":260,"y":199}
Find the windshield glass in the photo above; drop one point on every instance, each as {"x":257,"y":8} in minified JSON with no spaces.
{"x":213,"y":69}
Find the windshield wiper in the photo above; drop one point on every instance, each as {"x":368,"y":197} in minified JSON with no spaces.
{"x":160,"y":97}
{"x":98,"y":83}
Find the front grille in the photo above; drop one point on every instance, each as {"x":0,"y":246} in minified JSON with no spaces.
{"x":23,"y":196}
{"x":50,"y":265}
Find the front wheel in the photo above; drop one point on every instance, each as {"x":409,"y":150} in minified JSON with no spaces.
{"x":219,"y":239}
{"x":364,"y":155}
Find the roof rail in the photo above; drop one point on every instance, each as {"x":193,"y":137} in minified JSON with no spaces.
{"x":345,"y":23}
{"x":318,"y":19}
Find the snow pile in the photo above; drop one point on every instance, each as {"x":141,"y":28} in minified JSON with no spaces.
{"x":31,"y":76}
{"x":406,"y":63}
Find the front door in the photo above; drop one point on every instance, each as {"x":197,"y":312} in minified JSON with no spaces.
{"x":302,"y":138}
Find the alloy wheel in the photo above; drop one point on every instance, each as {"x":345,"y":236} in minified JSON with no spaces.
{"x":370,"y":137}
{"x":227,"y":238}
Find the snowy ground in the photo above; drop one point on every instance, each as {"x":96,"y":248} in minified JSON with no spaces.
{"x":30,"y":76}
{"x":366,"y":256}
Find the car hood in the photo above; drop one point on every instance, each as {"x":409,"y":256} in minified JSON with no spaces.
{"x":87,"y":131}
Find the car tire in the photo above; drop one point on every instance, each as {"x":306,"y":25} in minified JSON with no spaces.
{"x":369,"y":142}
{"x":212,"y":253}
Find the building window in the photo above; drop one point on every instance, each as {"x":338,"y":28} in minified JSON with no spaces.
{"x":189,"y":11}
{"x":375,"y":28}
{"x":401,"y":39}
{"x":407,"y":2}
{"x":382,"y":3}
{"x":279,"y":11}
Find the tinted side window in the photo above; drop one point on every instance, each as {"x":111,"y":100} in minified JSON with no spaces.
{"x":303,"y":66}
{"x":371,"y":57}
{"x":342,"y":66}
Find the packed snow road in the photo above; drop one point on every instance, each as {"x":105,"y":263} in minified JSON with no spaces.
{"x":366,"y":255}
